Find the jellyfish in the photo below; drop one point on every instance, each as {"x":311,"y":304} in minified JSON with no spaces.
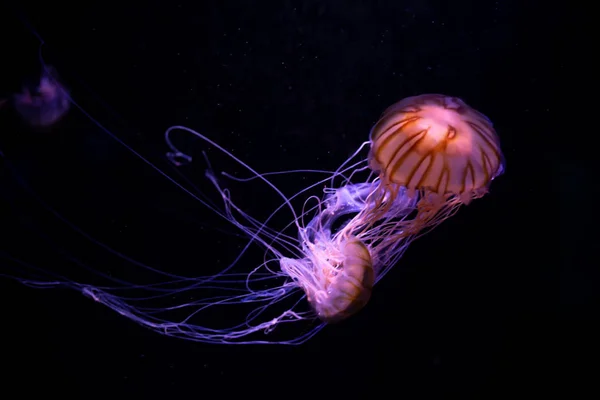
{"x":429,"y":154}
{"x":437,"y":146}
{"x":426,"y":156}
{"x":44,"y":103}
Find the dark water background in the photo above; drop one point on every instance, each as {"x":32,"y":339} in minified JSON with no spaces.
{"x":479,"y":308}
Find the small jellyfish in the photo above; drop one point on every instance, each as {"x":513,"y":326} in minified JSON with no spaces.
{"x":44,"y":103}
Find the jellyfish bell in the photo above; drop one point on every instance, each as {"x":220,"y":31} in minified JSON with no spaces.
{"x":339,"y":278}
{"x":436,"y":142}
{"x":43,"y":102}
{"x":438,"y":146}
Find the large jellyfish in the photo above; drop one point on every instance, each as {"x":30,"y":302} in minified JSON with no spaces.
{"x":426,"y":156}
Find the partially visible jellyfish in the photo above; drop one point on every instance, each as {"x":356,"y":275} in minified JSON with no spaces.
{"x":427,"y":155}
{"x":43,"y":103}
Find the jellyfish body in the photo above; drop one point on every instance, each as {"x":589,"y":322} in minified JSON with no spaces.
{"x":43,"y":104}
{"x":436,"y":142}
{"x":427,"y":155}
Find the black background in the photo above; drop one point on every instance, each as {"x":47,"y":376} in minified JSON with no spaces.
{"x":479,"y":308}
